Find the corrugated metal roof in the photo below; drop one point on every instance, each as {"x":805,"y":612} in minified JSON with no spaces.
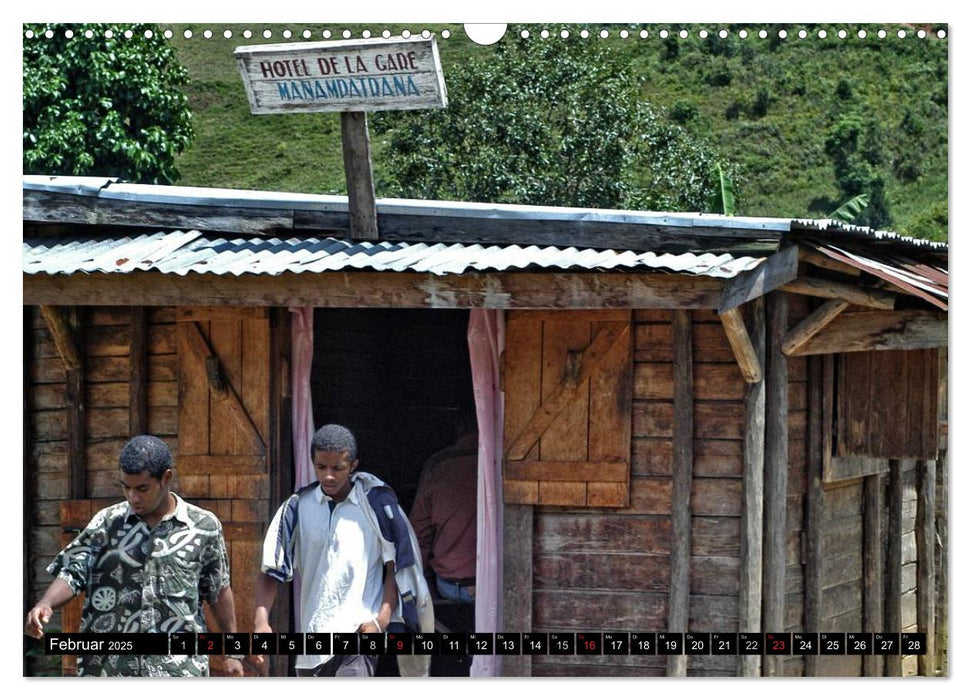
{"x":181,"y":252}
{"x":851,"y":232}
{"x":926,"y":280}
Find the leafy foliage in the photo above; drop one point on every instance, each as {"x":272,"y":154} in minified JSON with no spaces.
{"x":98,"y":105}
{"x":855,"y":147}
{"x":550,"y":122}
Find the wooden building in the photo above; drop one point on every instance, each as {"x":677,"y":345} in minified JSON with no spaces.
{"x":711,"y":424}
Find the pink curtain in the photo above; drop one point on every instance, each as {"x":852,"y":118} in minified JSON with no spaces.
{"x":487,"y":338}
{"x":302,"y":355}
{"x":301,"y":359}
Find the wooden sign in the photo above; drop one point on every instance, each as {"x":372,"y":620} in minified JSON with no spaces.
{"x":342,"y":76}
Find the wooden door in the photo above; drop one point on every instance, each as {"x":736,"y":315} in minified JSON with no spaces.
{"x":568,"y":384}
{"x":224,"y":429}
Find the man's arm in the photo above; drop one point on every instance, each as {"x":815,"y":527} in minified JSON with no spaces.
{"x":389,"y":602}
{"x":56,"y":596}
{"x":265,"y":594}
{"x":224,"y":610}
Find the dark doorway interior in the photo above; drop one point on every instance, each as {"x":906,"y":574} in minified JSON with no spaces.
{"x":399,"y":379}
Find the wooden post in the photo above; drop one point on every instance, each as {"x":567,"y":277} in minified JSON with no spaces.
{"x":750,"y":570}
{"x":679,"y":595}
{"x":517,"y":576}
{"x":942,"y":565}
{"x":138,"y":378}
{"x":281,"y":458}
{"x":357,"y":173}
{"x":26,"y":511}
{"x":820,"y":422}
{"x":873,"y":591}
{"x":925,"y":532}
{"x":776,"y":474}
{"x":893,"y":614}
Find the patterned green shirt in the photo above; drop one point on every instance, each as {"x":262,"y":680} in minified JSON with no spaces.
{"x":145,"y":580}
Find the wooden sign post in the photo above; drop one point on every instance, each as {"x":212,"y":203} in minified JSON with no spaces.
{"x":351,"y":77}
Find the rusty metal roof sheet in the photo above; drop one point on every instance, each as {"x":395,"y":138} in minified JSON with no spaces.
{"x":927,"y":279}
{"x":181,"y":252}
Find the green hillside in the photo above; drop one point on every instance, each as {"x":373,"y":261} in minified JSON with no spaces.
{"x":765,"y":103}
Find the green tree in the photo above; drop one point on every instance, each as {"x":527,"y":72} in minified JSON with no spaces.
{"x":103,"y":105}
{"x":549,"y":122}
{"x":854,"y":146}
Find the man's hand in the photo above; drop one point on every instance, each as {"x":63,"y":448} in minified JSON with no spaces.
{"x":233,"y":667}
{"x":261,"y":662}
{"x":38,"y":616}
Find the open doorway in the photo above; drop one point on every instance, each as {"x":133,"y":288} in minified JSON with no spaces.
{"x":401,"y":380}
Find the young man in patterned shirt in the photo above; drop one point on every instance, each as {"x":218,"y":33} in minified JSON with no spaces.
{"x":146,"y":564}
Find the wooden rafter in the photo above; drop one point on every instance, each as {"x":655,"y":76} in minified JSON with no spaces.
{"x":63,"y":336}
{"x":741,"y":343}
{"x":776,"y":270}
{"x":857,"y":331}
{"x":802,"y":332}
{"x":816,"y":258}
{"x":827,"y":289}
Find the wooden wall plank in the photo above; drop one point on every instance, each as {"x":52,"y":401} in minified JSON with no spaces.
{"x":894,"y":559}
{"x":193,"y":396}
{"x":521,"y":377}
{"x":518,"y":595}
{"x":926,"y":531}
{"x":679,"y":606}
{"x":873,"y":591}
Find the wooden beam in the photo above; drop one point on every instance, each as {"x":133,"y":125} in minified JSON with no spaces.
{"x":926,"y":535}
{"x":63,"y":336}
{"x":358,"y":176}
{"x":679,"y":595}
{"x":616,"y":472}
{"x":520,"y":290}
{"x":776,"y":474}
{"x":775,"y":271}
{"x":878,"y":330}
{"x":138,"y":376}
{"x":738,"y":338}
{"x":801,"y":333}
{"x":893,"y":614}
{"x":814,"y":257}
{"x":873,"y":591}
{"x":517,"y":579}
{"x":331,"y":218}
{"x":753,"y":474}
{"x":827,"y":289}
{"x":820,"y":422}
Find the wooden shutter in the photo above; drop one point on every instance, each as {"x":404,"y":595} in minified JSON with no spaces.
{"x":224,"y":428}
{"x":567,"y":382}
{"x":886,"y":406}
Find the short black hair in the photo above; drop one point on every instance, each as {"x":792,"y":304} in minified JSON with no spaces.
{"x":334,"y":438}
{"x":145,"y":453}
